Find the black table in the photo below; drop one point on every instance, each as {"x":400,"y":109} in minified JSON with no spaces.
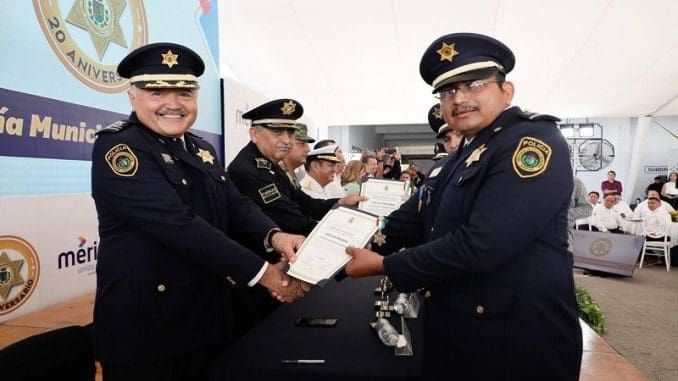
{"x":351,"y":349}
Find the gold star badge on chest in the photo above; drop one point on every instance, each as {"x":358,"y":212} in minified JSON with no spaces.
{"x":437,"y":113}
{"x":288,"y":107}
{"x":379,"y":238}
{"x":205,"y":155}
{"x":475,"y":155}
{"x":447,"y":52}
{"x":170,"y":59}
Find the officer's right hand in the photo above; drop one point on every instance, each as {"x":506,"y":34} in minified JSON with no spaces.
{"x":281,"y":286}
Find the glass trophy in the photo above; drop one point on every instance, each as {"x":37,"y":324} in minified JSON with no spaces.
{"x":404,"y":346}
{"x":407,"y":305}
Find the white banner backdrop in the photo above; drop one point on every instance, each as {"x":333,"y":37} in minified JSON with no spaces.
{"x":48,"y":251}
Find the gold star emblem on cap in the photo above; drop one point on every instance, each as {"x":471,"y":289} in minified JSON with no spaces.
{"x":437,"y":113}
{"x":475,"y":155}
{"x":447,"y":52}
{"x":288,"y":107}
{"x":379,"y":238}
{"x":205,"y":155}
{"x":169,"y":59}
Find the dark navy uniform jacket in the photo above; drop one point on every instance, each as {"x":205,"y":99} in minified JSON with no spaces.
{"x":268,"y":186}
{"x":166,"y":216}
{"x":491,"y":246}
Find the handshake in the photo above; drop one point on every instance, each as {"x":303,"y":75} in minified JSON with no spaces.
{"x":281,"y":286}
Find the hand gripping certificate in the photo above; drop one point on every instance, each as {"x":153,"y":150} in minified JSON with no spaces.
{"x":323,"y":253}
{"x":384,"y":196}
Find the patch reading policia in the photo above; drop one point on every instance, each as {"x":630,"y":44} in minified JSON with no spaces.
{"x":162,"y":65}
{"x":269,"y":193}
{"x":122,"y":160}
{"x":531,"y":157}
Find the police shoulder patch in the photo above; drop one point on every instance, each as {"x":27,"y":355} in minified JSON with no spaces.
{"x":269,"y":193}
{"x":114,"y":127}
{"x":122,"y":160}
{"x":263,"y":163}
{"x":531,"y":157}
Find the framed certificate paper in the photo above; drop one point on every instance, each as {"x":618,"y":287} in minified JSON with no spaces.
{"x":384,"y":196}
{"x":323,"y":253}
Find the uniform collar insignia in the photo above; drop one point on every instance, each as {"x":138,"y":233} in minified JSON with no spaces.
{"x":205,"y":155}
{"x":475,"y":155}
{"x":447,"y":52}
{"x":263,"y":163}
{"x":288,"y":107}
{"x":169,"y":59}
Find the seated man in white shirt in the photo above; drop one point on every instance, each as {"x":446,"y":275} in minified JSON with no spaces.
{"x":655,"y":216}
{"x":321,"y":165}
{"x":605,"y":218}
{"x":622,"y":207}
{"x":642,"y":207}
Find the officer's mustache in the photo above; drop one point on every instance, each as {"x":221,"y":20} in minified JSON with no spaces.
{"x":463,"y":108}
{"x":172,"y":112}
{"x":282,"y":146}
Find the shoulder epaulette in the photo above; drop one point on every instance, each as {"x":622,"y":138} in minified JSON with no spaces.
{"x":114,"y":127}
{"x":536,"y":116}
{"x":263,"y":163}
{"x":194,"y":135}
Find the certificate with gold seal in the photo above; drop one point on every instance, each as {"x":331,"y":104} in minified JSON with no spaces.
{"x":383,"y":196}
{"x":323,"y":253}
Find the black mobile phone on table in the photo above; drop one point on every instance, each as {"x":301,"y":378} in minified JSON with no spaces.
{"x":316,"y":322}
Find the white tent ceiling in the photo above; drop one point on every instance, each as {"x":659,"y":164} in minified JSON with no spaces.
{"x":357,"y":61}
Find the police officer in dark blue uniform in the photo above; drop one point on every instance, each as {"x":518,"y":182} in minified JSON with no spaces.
{"x":492,"y":248}
{"x":168,"y":218}
{"x":256,"y":173}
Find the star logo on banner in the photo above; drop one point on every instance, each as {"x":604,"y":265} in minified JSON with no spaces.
{"x":475,"y":155}
{"x":101,"y":19}
{"x":205,"y":155}
{"x":447,"y":52}
{"x":288,"y":107}
{"x":9,"y":274}
{"x":169,"y":59}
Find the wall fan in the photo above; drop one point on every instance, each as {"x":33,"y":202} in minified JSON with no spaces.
{"x":595,"y":154}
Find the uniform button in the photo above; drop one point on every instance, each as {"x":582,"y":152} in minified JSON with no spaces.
{"x":461,"y":178}
{"x":183,"y":181}
{"x":223,"y":178}
{"x":161,"y":288}
{"x":480,"y":309}
{"x":427,"y":294}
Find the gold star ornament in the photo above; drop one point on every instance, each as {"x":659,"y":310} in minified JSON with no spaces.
{"x":437,"y":113}
{"x":447,"y":52}
{"x":169,"y":59}
{"x":288,"y":107}
{"x":379,"y":238}
{"x":475,"y":155}
{"x":205,"y":155}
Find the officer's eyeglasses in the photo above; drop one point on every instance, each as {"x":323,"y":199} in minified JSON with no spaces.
{"x":472,"y":88}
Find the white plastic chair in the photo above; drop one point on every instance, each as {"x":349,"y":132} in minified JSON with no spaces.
{"x":582,"y":221}
{"x":656,"y":228}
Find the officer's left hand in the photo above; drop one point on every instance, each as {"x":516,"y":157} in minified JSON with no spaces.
{"x":364,"y":263}
{"x":287,"y":245}
{"x":352,"y":199}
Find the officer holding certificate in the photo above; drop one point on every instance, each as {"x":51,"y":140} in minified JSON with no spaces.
{"x":490,"y":240}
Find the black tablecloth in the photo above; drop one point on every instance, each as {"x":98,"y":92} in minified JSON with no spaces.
{"x":351,"y":349}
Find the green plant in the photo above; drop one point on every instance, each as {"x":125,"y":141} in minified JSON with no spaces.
{"x":589,"y":310}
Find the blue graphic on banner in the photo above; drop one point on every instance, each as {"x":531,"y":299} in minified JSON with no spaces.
{"x":38,"y":127}
{"x":33,"y":126}
{"x":209,"y":22}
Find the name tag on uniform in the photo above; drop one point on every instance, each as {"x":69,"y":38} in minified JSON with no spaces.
{"x":435,"y":172}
